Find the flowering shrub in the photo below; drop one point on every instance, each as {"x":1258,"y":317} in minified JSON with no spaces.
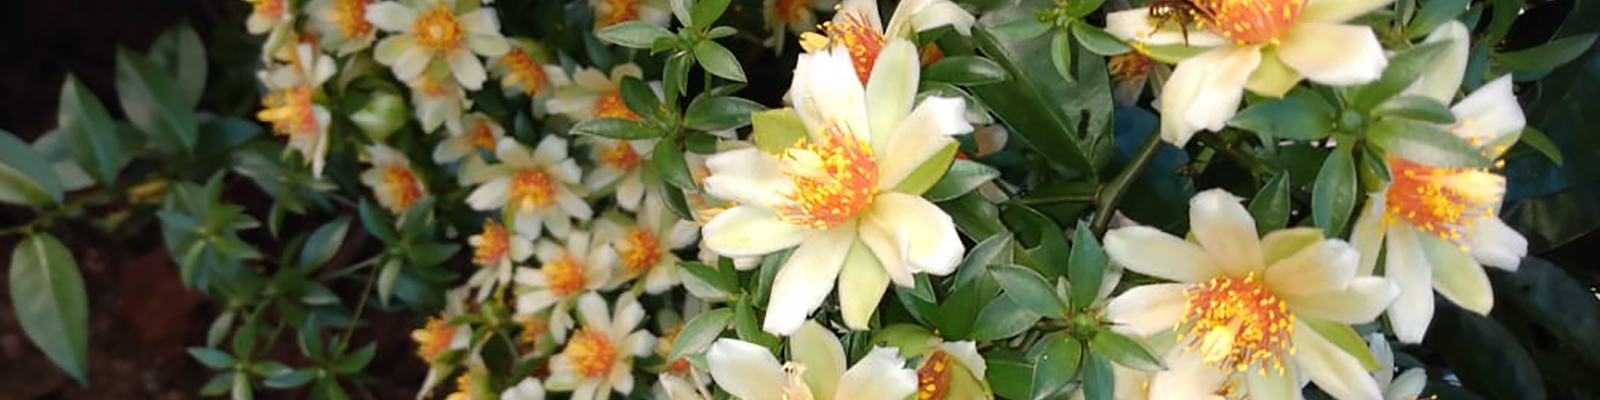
{"x":803,"y":199}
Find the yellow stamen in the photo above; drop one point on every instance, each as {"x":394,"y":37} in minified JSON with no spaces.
{"x":565,"y":276}
{"x":401,"y":187}
{"x":591,"y":353}
{"x":531,"y":189}
{"x":438,"y":29}
{"x":290,"y":111}
{"x":613,"y":12}
{"x":1444,"y":202}
{"x":620,"y":157}
{"x":433,"y":339}
{"x":351,"y":17}
{"x":1250,"y":21}
{"x":933,"y":379}
{"x":524,"y":71}
{"x":834,"y":179}
{"x":1237,"y":323}
{"x":640,"y":250}
{"x":610,"y":105}
{"x":492,"y":245}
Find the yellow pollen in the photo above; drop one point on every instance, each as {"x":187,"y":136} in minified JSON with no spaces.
{"x":290,"y":111}
{"x":402,"y":188}
{"x":640,"y":250}
{"x":1444,"y":202}
{"x":492,"y":245}
{"x":524,"y":70}
{"x":791,"y":11}
{"x":610,"y":105}
{"x":352,"y":17}
{"x":1237,"y":323}
{"x":616,"y":11}
{"x":834,"y":179}
{"x":857,"y":34}
{"x":933,"y":379}
{"x":532,"y":329}
{"x":591,"y":353}
{"x":433,"y":339}
{"x":270,"y":8}
{"x":463,"y":388}
{"x":565,"y":276}
{"x":531,"y":189}
{"x":438,"y":29}
{"x":482,"y":136}
{"x":1250,"y":21}
{"x":620,"y":157}
{"x":1129,"y":66}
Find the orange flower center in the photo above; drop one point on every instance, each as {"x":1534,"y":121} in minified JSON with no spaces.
{"x":610,"y":105}
{"x":616,"y":11}
{"x":1237,"y":323}
{"x":438,"y":29}
{"x":933,"y":379}
{"x":857,"y":35}
{"x":834,"y":179}
{"x":591,"y":353}
{"x":640,"y":250}
{"x":1251,"y":21}
{"x":1444,"y":202}
{"x":1129,"y":66}
{"x":524,"y":70}
{"x":492,"y":245}
{"x":532,"y":329}
{"x":565,"y":276}
{"x":270,"y":8}
{"x":290,"y":111}
{"x":531,"y":189}
{"x":433,"y":339}
{"x":403,"y":189}
{"x":482,"y":136}
{"x":791,"y":11}
{"x":352,"y":17}
{"x":620,"y":157}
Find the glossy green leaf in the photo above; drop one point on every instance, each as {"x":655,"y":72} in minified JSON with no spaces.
{"x":1023,"y":28}
{"x":641,"y":99}
{"x":1098,"y":378}
{"x":1031,"y":104}
{"x":719,"y":113}
{"x":1061,"y":54}
{"x":1010,"y":379}
{"x":323,"y":243}
{"x":1536,"y":139}
{"x":1420,"y":108}
{"x":1270,"y":206}
{"x":1425,"y":143}
{"x":698,"y":334}
{"x":1086,"y":267}
{"x":962,"y":178}
{"x":182,"y":55}
{"x":1534,"y":62}
{"x":356,"y":361}
{"x":615,"y":128}
{"x":91,"y":136}
{"x":632,"y":34}
{"x":1029,"y":289}
{"x":675,"y":75}
{"x":1055,"y":365}
{"x":377,"y":222}
{"x":218,"y":384}
{"x":1404,"y":68}
{"x":964,"y":70}
{"x":213,"y":358}
{"x":748,"y":327}
{"x":1486,"y":357}
{"x":387,"y":278}
{"x":718,"y":60}
{"x":154,"y":103}
{"x":1124,"y":351}
{"x":1097,"y":40}
{"x":291,"y":379}
{"x":50,"y":303}
{"x":706,"y":12}
{"x":1002,"y":318}
{"x":25,"y":178}
{"x":667,"y":159}
{"x":1432,"y":14}
{"x":1288,"y":118}
{"x":1334,"y":195}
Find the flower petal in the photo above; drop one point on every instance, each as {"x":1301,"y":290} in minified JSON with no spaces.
{"x":1324,"y":266}
{"x":1358,"y":303}
{"x":822,"y":354}
{"x":747,"y":176}
{"x":1334,"y":54}
{"x":881,"y":375}
{"x":862,"y":282}
{"x":1272,"y":385}
{"x":1407,"y":266}
{"x":889,"y":254}
{"x":1457,"y":276}
{"x":1226,"y":230}
{"x":1204,"y":91}
{"x":592,"y":310}
{"x":1187,"y":376}
{"x":1152,"y":252}
{"x":806,"y":278}
{"x":1148,"y":309}
{"x":1339,"y":10}
{"x":1367,"y":236}
{"x":746,"y":231}
{"x":1331,"y":368}
{"x":826,"y":92}
{"x":390,"y":16}
{"x":1488,"y":113}
{"x":490,"y":195}
{"x":1137,"y":26}
{"x":925,"y":235}
{"x":1443,"y":79}
{"x":411,"y":62}
{"x":892,"y":87}
{"x":1496,"y":245}
{"x":918,"y":137}
{"x":468,"y":70}
{"x":746,"y":370}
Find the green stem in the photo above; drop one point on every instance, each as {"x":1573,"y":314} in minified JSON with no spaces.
{"x":1214,"y":141}
{"x":361,"y":305}
{"x":1113,"y":191}
{"x":71,"y":206}
{"x":1069,"y":198}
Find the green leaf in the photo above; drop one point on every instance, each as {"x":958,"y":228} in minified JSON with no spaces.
{"x":1001,"y":319}
{"x":1023,"y":28}
{"x":1288,"y":118}
{"x":357,"y":360}
{"x":1086,"y":267}
{"x":1098,"y":378}
{"x":181,"y":54}
{"x":721,"y":32}
{"x":667,"y":159}
{"x":993,"y":250}
{"x":294,"y":379}
{"x":1083,"y":7}
{"x":1061,"y":54}
{"x":615,"y":128}
{"x":213,"y":358}
{"x":1536,"y":139}
{"x":90,"y":134}
{"x":776,"y":130}
{"x":1124,"y":351}
{"x":709,"y":275}
{"x":964,"y":70}
{"x":929,"y":173}
{"x":1432,"y":14}
{"x":962,"y":178}
{"x":747,"y":328}
{"x":241,"y":387}
{"x":154,"y":103}
{"x":720,"y":113}
{"x":1010,"y":379}
{"x":269,"y":368}
{"x":1420,"y":108}
{"x":641,"y":99}
{"x":1334,"y":195}
{"x":698,"y":334}
{"x":1030,"y":101}
{"x":218,"y":384}
{"x":706,"y":12}
{"x":717,"y":59}
{"x":1030,"y":290}
{"x":1097,"y":40}
{"x":1055,"y":366}
{"x":50,"y":304}
{"x":1270,"y":206}
{"x":323,"y":243}
{"x":675,"y":76}
{"x":1484,"y":354}
{"x":675,"y":202}
{"x":633,"y":34}
{"x":1425,"y":143}
{"x":24,"y":176}
{"x":1404,"y":68}
{"x":1533,"y":63}
{"x":386,"y":280}
{"x":377,"y":222}
{"x":219,"y":328}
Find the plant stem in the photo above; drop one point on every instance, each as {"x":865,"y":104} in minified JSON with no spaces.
{"x":1113,"y":191}
{"x":1068,"y":198}
{"x":361,"y":305}
{"x":1227,"y":150}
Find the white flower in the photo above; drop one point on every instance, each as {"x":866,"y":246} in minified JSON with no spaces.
{"x":269,"y":15}
{"x":858,"y":28}
{"x":1408,"y":385}
{"x":292,"y":107}
{"x":835,"y":193}
{"x":620,"y":163}
{"x":1244,"y":306}
{"x":431,"y":30}
{"x":479,"y":133}
{"x":438,"y":337}
{"x":392,"y":181}
{"x":593,"y":95}
{"x":529,"y":389}
{"x":645,"y":247}
{"x":816,"y":371}
{"x":612,"y":12}
{"x":599,"y":357}
{"x":520,"y":71}
{"x":565,"y":271}
{"x":1285,"y":40}
{"x":533,"y":188}
{"x":438,"y":99}
{"x":342,"y":24}
{"x":496,"y":251}
{"x":1439,"y":223}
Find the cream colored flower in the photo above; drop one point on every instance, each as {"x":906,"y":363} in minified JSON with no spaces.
{"x":1440,"y":224}
{"x":496,"y":251}
{"x":529,"y":389}
{"x":599,"y":358}
{"x":619,"y":164}
{"x":645,"y":247}
{"x":816,"y":370}
{"x":293,"y":106}
{"x":479,"y":134}
{"x":534,"y":189}
{"x":342,"y":24}
{"x":392,"y":181}
{"x":521,"y":70}
{"x":565,"y":271}
{"x":269,"y":16}
{"x":1266,"y":46}
{"x":1241,"y":303}
{"x":1408,"y":385}
{"x":439,"y":337}
{"x":438,"y":99}
{"x":430,"y":30}
{"x":834,"y":193}
{"x":612,"y":12}
{"x":858,"y":28}
{"x":593,"y":95}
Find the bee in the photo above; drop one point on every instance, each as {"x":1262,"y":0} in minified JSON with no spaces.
{"x":1181,"y":12}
